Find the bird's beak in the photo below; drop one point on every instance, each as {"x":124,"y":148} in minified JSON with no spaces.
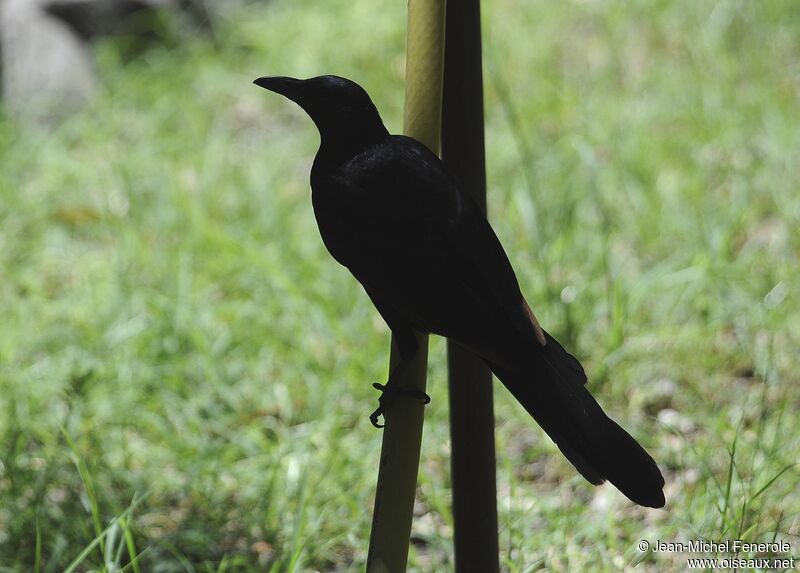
{"x":287,"y":87}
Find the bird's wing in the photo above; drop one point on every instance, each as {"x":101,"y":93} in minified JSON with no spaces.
{"x":403,"y":186}
{"x":404,"y":183}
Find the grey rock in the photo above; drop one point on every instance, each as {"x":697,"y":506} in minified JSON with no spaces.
{"x":45,"y":48}
{"x":47,"y":69}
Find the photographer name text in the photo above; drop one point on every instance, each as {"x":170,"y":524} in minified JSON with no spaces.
{"x":724,"y":546}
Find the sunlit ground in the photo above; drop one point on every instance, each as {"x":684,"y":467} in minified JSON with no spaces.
{"x":186,"y":374}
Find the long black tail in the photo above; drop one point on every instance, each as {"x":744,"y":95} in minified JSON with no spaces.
{"x":550,"y":386}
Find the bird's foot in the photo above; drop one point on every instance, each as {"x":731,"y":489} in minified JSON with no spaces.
{"x":388,"y":394}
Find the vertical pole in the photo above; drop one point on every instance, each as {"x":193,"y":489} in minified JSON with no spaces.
{"x":470,"y":381}
{"x":402,"y":435}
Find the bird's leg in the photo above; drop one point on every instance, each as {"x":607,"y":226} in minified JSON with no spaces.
{"x":392,"y":389}
{"x":407,"y":348}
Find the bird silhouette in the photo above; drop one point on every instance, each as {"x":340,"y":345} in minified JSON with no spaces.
{"x":389,"y":211}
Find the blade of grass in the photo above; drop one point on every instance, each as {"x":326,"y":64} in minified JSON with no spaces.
{"x":37,"y":563}
{"x":88,"y":484}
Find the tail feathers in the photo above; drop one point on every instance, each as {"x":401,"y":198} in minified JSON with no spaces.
{"x":581,"y":463}
{"x":630,"y":468}
{"x":552,"y":392}
{"x":558,"y":355}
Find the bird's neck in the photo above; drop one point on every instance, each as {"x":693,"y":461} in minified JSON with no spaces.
{"x":340,"y":145}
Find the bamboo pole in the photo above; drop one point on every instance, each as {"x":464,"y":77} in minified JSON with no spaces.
{"x":472,"y":458}
{"x":402,"y":434}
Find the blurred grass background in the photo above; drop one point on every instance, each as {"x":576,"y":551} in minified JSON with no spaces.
{"x":185,"y":374}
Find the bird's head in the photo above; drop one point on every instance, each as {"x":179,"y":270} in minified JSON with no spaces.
{"x":339,"y":107}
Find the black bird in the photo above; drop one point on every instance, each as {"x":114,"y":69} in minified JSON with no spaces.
{"x":389,"y":211}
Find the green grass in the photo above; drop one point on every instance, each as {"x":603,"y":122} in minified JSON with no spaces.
{"x":185,"y":374}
